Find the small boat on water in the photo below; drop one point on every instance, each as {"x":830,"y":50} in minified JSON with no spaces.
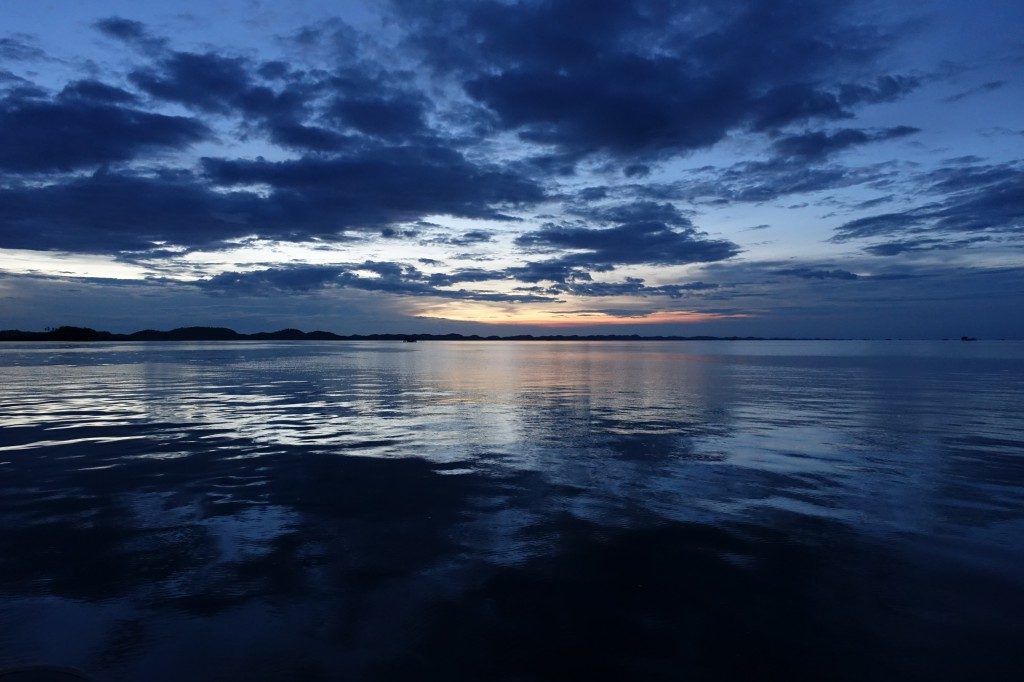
{"x":409,"y":340}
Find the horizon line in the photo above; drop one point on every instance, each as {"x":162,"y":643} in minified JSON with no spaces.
{"x":69,"y":333}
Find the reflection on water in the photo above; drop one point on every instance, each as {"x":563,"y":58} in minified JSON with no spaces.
{"x":513,"y":511}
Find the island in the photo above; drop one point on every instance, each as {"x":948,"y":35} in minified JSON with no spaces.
{"x":85,"y":334}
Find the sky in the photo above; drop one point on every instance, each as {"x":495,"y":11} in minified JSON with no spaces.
{"x":728,"y":167}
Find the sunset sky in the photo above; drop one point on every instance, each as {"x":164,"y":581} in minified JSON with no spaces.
{"x":721,"y":167}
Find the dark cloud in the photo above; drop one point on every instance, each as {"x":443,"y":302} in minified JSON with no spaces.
{"x":968,"y":198}
{"x":85,"y":126}
{"x":351,"y":180}
{"x":896,"y":248}
{"x":871,"y":203}
{"x":378,"y":185}
{"x":293,"y":135}
{"x":309,"y":198}
{"x":364,"y":138}
{"x":214,"y":83}
{"x":400,"y":115}
{"x":760,"y":181}
{"x":634,"y":212}
{"x":887,"y":88}
{"x":631,"y":286}
{"x":636,"y":170}
{"x":548,"y":271}
{"x":393,"y":278}
{"x":892,"y":297}
{"x":122,"y":29}
{"x":316,"y":111}
{"x":648,"y":77}
{"x":473,"y":237}
{"x":393,"y":233}
{"x":111,"y":212}
{"x":984,"y":87}
{"x":96,"y":91}
{"x":294,"y":279}
{"x":810,"y":272}
{"x":20,"y":47}
{"x":338,"y":39}
{"x":403,"y":279}
{"x":650,"y":242}
{"x":642,"y":232}
{"x":14,"y":87}
{"x":447,"y":279}
{"x":817,"y":145}
{"x":129,"y":31}
{"x":465,"y":239}
{"x":881,"y":224}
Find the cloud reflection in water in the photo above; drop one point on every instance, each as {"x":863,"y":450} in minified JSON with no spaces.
{"x":512,"y":511}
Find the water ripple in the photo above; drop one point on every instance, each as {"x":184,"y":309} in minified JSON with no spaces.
{"x":313,"y":497}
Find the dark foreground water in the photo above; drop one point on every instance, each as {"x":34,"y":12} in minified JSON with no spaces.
{"x":514,"y":511}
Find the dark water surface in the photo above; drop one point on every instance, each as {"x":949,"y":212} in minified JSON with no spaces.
{"x":514,"y":511}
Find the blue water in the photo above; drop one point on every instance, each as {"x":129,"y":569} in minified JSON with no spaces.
{"x":514,"y":511}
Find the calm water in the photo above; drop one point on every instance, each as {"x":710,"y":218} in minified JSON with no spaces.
{"x":514,"y":511}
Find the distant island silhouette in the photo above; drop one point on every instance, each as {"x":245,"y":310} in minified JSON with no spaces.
{"x":76,"y":334}
{"x":226,"y":334}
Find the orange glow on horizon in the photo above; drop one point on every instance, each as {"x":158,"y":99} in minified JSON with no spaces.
{"x":484,"y":314}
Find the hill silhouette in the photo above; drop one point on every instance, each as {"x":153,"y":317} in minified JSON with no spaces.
{"x":79,"y":334}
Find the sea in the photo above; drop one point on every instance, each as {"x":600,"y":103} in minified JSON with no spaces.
{"x":673,"y":510}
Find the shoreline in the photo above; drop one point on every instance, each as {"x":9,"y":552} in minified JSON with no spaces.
{"x":193,"y":334}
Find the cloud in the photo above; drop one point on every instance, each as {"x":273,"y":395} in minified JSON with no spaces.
{"x":408,"y":280}
{"x":547,"y":271}
{"x":399,"y":115}
{"x":465,"y":239}
{"x":809,"y":272}
{"x":648,"y":77}
{"x":96,"y":91}
{"x":108,"y":212}
{"x":20,"y":47}
{"x":373,"y":186}
{"x":377,"y":276}
{"x":818,"y":145}
{"x":213,"y":83}
{"x":643,"y":232}
{"x":646,"y":232}
{"x":760,"y":181}
{"x":871,"y":203}
{"x":313,"y":110}
{"x":129,"y":31}
{"x":968,"y":198}
{"x":482,"y":110}
{"x":896,"y":248}
{"x":984,"y":87}
{"x":308,"y":198}
{"x":85,"y":126}
{"x":447,"y":279}
{"x":293,"y":135}
{"x":122,"y":29}
{"x":293,"y":279}
{"x":631,"y":286}
{"x":633,"y":212}
{"x":652,"y":243}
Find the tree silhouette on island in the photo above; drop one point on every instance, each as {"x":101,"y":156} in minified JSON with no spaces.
{"x":80,"y":334}
{"x":85,"y":334}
